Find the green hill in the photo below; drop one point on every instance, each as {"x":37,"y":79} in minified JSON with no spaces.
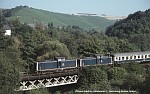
{"x":137,"y":23}
{"x":135,"y":28}
{"x":31,"y":15}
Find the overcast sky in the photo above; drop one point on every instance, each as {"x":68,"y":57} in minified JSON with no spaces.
{"x":109,"y":7}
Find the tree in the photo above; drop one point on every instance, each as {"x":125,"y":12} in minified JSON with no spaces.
{"x":39,"y":26}
{"x":50,"y":25}
{"x":10,"y":67}
{"x":51,"y":49}
{"x":134,"y":28}
{"x":134,"y":68}
{"x":146,"y":86}
{"x":93,"y":78}
{"x":132,"y":82}
{"x":116,"y":76}
{"x":38,"y":91}
{"x":88,"y":48}
{"x":135,"y":76}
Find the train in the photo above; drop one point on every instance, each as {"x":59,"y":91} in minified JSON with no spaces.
{"x":119,"y":58}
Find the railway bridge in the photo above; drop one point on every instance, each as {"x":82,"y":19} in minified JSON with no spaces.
{"x":48,"y":79}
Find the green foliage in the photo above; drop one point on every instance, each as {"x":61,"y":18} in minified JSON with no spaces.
{"x":134,"y":68}
{"x":93,"y":78}
{"x":135,"y":28}
{"x":38,"y":44}
{"x":135,"y":77}
{"x":141,"y":41}
{"x":145,"y":89}
{"x":137,"y":23}
{"x":88,"y":48}
{"x":132,"y":81}
{"x":11,"y":12}
{"x":10,"y":66}
{"x":51,"y":49}
{"x":38,"y":91}
{"x":127,"y":77}
{"x":71,"y":41}
{"x":7,"y":72}
{"x":117,"y":75}
{"x":57,"y":92}
{"x":118,"y":45}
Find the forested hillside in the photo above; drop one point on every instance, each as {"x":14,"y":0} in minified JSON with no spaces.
{"x":31,"y":16}
{"x":135,"y":28}
{"x":27,"y":45}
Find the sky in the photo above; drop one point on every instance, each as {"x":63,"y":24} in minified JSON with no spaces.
{"x":108,"y":7}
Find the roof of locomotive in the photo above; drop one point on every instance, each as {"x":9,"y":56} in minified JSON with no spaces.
{"x":131,"y":53}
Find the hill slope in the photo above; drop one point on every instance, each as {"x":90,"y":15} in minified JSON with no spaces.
{"x":31,"y":15}
{"x":137,"y":23}
{"x":135,"y":28}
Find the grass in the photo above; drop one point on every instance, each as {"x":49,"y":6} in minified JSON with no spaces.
{"x":30,"y":15}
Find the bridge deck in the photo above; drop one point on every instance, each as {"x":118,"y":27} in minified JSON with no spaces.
{"x":49,"y":74}
{"x":48,"y":79}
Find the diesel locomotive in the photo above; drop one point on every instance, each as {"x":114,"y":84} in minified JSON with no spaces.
{"x":62,"y":63}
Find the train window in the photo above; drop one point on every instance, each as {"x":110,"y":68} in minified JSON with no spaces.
{"x":138,"y":56}
{"x":116,"y":58}
{"x":119,"y":58}
{"x":126,"y":58}
{"x":142,"y":56}
{"x":130,"y":57}
{"x":149,"y":55}
{"x":145,"y":56}
{"x":134,"y":57}
{"x":122,"y":58}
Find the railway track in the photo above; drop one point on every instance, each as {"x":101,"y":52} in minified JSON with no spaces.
{"x":49,"y":74}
